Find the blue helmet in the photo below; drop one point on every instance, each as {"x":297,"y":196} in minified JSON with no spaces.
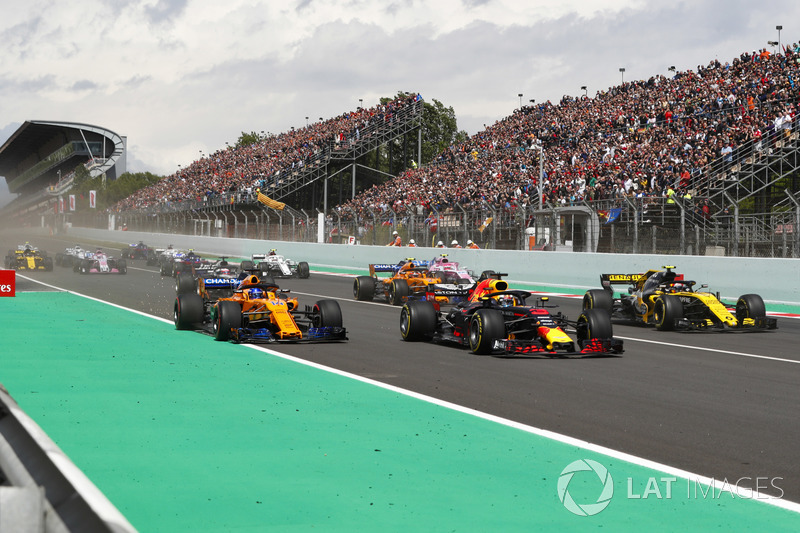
{"x":255,"y":294}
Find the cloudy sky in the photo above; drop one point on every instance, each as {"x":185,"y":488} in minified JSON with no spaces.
{"x":180,"y":76}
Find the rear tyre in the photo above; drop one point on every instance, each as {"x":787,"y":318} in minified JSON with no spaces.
{"x":488,"y":274}
{"x":247,"y":265}
{"x":48,"y":264}
{"x":667,"y":310}
{"x":185,"y":284}
{"x":485,"y":326}
{"x":84,"y":267}
{"x":303,"y":272}
{"x":593,"y":324}
{"x":328,"y":314}
{"x":750,"y":306}
{"x":417,"y":321}
{"x":229,"y":316}
{"x":598,"y":299}
{"x":188,"y":310}
{"x":122,"y":266}
{"x":364,"y":288}
{"x":398,"y":291}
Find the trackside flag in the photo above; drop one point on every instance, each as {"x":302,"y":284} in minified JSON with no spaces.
{"x":72,"y":202}
{"x":93,"y":199}
{"x":269,"y":202}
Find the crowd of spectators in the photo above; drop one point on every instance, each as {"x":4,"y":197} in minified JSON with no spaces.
{"x":651,"y":137}
{"x":643,"y":138}
{"x":247,"y":168}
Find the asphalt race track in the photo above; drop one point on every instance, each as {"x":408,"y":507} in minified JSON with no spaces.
{"x":720,"y":405}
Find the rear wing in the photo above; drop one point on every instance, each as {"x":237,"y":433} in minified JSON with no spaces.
{"x":607,"y":280}
{"x":383,"y":267}
{"x":220,"y":283}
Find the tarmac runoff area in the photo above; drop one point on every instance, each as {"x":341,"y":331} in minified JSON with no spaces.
{"x":182,"y":433}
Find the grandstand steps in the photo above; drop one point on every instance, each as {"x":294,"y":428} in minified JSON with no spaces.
{"x":347,"y":148}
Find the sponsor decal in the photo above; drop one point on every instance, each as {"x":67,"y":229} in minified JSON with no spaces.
{"x":8,"y":283}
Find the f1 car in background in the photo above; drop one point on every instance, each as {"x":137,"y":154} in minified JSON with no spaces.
{"x":28,"y":257}
{"x":175,"y":262}
{"x":277,"y":266}
{"x":70,"y":256}
{"x":99,"y":262}
{"x":259,"y":312}
{"x":498,"y":321}
{"x":138,"y":251}
{"x":666,"y":300}
{"x":408,"y":280}
{"x":218,"y":280}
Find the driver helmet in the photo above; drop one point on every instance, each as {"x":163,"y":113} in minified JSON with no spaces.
{"x":506,"y":300}
{"x":272,"y":252}
{"x":255,"y":294}
{"x":224,"y":271}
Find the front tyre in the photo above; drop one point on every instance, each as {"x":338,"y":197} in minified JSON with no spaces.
{"x":417,"y":321}
{"x":750,"y":306}
{"x":229,"y":317}
{"x":593,"y":324}
{"x":485,"y":326}
{"x":327,"y":314}
{"x":303,"y":271}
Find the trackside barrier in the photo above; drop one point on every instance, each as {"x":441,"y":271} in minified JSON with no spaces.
{"x":47,"y":492}
{"x":777,"y":280}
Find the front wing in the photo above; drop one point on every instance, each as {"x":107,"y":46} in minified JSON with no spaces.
{"x":590,"y":347}
{"x":265,"y":336}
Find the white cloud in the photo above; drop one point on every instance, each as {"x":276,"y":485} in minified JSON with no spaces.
{"x":180,"y":76}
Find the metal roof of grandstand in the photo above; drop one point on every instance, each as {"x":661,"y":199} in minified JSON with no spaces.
{"x":32,"y":134}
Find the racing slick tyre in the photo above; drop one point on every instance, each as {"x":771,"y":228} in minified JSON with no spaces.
{"x":246,"y":265}
{"x":152,"y":259}
{"x":398,"y":291}
{"x":59,"y":259}
{"x":327,"y":314}
{"x":750,"y":306}
{"x":48,"y":264}
{"x":122,"y":266}
{"x":485,"y":326}
{"x":303,"y":272}
{"x":185,"y":284}
{"x":84,"y":267}
{"x":598,"y":299}
{"x":667,"y":310}
{"x":364,"y":288}
{"x":188,"y":310}
{"x":264,"y":269}
{"x":417,"y":321}
{"x":269,"y":281}
{"x":593,"y":324}
{"x":229,"y":316}
{"x":166,"y":268}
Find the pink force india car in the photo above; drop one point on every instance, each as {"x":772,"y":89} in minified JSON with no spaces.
{"x":99,"y":262}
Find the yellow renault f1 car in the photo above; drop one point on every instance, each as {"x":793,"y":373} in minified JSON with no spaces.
{"x":665,"y":299}
{"x":27,"y":257}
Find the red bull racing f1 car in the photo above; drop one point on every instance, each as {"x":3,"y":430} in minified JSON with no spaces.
{"x":498,"y":321}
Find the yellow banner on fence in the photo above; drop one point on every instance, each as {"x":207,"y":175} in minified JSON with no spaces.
{"x":269,"y":202}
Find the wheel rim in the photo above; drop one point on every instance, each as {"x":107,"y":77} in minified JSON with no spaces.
{"x":658,"y":312}
{"x":356,"y":286}
{"x":404,"y":320}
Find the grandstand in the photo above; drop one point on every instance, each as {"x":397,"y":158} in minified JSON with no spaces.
{"x":38,"y":162}
{"x":702,"y":161}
